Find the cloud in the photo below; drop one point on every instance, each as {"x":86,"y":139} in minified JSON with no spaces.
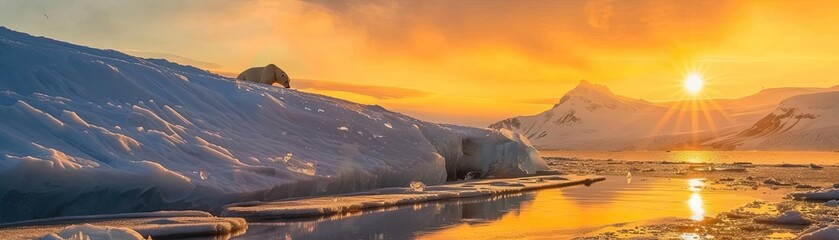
{"x":599,"y":13}
{"x":507,"y":57}
{"x":379,"y":92}
{"x":560,"y":31}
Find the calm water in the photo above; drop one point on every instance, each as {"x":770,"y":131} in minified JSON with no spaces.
{"x":756,"y":157}
{"x":547,"y":214}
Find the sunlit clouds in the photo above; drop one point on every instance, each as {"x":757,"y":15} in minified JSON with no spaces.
{"x":468,"y":62}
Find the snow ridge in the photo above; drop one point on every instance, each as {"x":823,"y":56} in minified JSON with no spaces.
{"x":89,"y":131}
{"x":804,"y":122}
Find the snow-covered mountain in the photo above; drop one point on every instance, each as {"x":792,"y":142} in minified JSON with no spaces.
{"x":590,"y":117}
{"x":87,"y":131}
{"x":804,"y":122}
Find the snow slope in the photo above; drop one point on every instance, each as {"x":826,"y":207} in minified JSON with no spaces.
{"x":804,"y":122}
{"x":89,"y":131}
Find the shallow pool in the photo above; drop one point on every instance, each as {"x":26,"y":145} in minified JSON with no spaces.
{"x":616,"y":203}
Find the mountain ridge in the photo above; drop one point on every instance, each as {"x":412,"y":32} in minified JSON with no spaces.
{"x":591,"y":114}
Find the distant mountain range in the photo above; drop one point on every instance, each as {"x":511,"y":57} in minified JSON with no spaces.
{"x":591,"y":117}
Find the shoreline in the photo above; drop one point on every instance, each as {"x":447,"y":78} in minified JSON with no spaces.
{"x":390,"y":197}
{"x":234,"y":220}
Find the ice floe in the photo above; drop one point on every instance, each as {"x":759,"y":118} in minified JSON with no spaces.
{"x":787,"y":218}
{"x":91,"y":232}
{"x":823,"y":232}
{"x":329,"y":205}
{"x":147,"y":224}
{"x":825,"y":194}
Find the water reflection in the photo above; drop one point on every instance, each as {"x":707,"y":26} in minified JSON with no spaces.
{"x":695,"y":202}
{"x":758,"y":157}
{"x":394,"y":223}
{"x":549,"y":214}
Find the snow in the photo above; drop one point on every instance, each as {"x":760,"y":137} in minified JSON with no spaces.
{"x":787,"y":218}
{"x":827,"y":232}
{"x":388,"y":197}
{"x":825,"y":194}
{"x":417,"y":186}
{"x":591,"y":117}
{"x":803,"y":122}
{"x":154,"y":224}
{"x":89,"y":131}
{"x":87,"y":231}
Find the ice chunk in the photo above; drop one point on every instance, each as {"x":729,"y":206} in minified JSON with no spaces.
{"x":91,"y":232}
{"x":417,"y":186}
{"x":830,"y":231}
{"x":772,"y":181}
{"x":787,"y":218}
{"x":826,"y":194}
{"x":472,"y":175}
{"x":164,"y":224}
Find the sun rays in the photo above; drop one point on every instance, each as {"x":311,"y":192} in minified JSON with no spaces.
{"x":694,"y":83}
{"x":693,"y":114}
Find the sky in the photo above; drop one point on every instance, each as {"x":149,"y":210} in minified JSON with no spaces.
{"x":467,"y":62}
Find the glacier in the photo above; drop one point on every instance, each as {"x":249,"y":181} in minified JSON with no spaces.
{"x":91,"y":131}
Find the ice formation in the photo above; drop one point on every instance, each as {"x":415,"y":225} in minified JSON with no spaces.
{"x":824,"y":194}
{"x":163,"y":224}
{"x":91,"y":232}
{"x":830,"y":231}
{"x":417,"y":186}
{"x":89,"y":131}
{"x":787,"y":218}
{"x":389,"y":197}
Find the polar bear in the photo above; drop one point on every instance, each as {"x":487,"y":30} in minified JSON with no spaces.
{"x":269,"y":74}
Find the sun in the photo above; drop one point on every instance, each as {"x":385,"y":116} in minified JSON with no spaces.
{"x":693,"y":83}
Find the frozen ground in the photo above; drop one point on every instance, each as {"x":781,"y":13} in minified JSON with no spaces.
{"x":790,"y":218}
{"x":122,"y":226}
{"x":758,"y":220}
{"x":729,"y":176}
{"x":90,"y":131}
{"x":389,"y":197}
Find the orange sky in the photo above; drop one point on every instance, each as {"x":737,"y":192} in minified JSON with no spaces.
{"x":468,"y":62}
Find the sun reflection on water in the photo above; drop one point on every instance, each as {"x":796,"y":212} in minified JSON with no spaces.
{"x":695,"y":203}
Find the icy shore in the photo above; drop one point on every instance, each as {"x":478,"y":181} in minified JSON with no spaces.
{"x":389,"y":197}
{"x":165,"y":224}
{"x":89,"y":131}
